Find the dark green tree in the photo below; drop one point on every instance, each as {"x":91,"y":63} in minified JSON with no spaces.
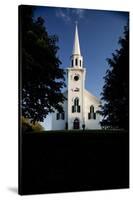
{"x":115,"y":95}
{"x":41,"y":78}
{"x":27,"y":126}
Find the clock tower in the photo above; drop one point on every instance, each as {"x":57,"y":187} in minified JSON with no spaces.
{"x":76,"y":86}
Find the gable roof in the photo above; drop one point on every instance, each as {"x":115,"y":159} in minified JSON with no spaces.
{"x":91,"y":96}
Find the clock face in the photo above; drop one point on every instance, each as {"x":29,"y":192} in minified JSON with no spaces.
{"x":76,"y":77}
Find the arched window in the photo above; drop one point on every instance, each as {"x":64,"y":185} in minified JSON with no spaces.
{"x":57,"y":116}
{"x":80,"y":63}
{"x":76,"y":61}
{"x":76,"y":101}
{"x":76,"y":106}
{"x":91,"y":109}
{"x":76,"y":124}
{"x":91,"y":114}
{"x":63,"y":115}
{"x":60,"y":116}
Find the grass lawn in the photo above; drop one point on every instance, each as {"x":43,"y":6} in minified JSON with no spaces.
{"x":63,"y":161}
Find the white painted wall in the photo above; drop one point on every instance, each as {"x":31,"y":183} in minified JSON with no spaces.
{"x":60,"y":124}
{"x":88,"y":100}
{"x":91,"y":100}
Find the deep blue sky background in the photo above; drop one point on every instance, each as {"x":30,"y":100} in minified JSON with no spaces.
{"x":99,"y":32}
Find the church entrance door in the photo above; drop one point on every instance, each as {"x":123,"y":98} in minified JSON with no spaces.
{"x":76,"y":124}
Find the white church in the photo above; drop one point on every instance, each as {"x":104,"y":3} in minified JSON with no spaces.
{"x":80,"y":107}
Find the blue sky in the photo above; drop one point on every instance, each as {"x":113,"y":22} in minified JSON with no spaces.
{"x":99,"y":32}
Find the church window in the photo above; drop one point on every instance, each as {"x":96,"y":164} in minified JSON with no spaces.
{"x":78,"y":109}
{"x":63,"y":115}
{"x":91,"y":109}
{"x":76,"y":106}
{"x":73,"y":109}
{"x":80,"y":63}
{"x":76,"y":101}
{"x":58,"y":116}
{"x":76,"y":61}
{"x":91,"y":114}
{"x":88,"y":115}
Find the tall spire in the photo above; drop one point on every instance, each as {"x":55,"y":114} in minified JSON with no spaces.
{"x":76,"y":46}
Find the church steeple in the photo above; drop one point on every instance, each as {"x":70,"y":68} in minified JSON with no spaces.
{"x":76,"y":46}
{"x":76,"y":58}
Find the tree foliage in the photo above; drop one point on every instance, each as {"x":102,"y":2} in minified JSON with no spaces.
{"x":41,"y":78}
{"x":115,"y":93}
{"x":27,"y":126}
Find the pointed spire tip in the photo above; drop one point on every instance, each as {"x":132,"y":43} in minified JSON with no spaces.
{"x":76,"y":22}
{"x":76,"y":46}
